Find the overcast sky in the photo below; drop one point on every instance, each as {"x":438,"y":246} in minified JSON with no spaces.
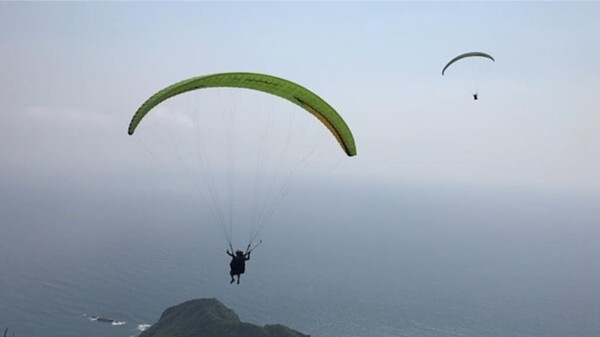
{"x":73,"y":74}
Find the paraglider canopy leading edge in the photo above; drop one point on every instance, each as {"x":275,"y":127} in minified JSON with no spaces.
{"x":261,"y":82}
{"x":465,"y":55}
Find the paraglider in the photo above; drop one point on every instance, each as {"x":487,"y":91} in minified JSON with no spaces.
{"x":238,"y":264}
{"x":464,"y":56}
{"x":222,"y":206}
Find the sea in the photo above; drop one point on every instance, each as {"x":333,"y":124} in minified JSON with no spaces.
{"x":350,"y":261}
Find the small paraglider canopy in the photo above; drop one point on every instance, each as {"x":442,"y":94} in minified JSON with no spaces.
{"x":465,"y":55}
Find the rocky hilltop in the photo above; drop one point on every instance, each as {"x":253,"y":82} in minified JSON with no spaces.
{"x":207,"y":317}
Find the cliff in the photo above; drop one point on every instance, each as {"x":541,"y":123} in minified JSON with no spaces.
{"x":208,"y":317}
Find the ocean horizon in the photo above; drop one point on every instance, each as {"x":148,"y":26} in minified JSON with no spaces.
{"x":485,"y":264}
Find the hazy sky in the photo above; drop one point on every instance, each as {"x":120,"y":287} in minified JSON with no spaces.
{"x":72,"y":75}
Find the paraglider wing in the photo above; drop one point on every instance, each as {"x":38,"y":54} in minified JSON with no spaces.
{"x":465,"y":55}
{"x":273,"y":85}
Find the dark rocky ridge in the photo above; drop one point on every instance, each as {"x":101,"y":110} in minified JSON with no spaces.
{"x":207,"y":317}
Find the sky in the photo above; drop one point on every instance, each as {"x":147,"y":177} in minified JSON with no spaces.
{"x":74,"y":73}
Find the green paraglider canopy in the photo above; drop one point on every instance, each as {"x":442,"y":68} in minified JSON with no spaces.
{"x":261,"y":82}
{"x":465,"y":55}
